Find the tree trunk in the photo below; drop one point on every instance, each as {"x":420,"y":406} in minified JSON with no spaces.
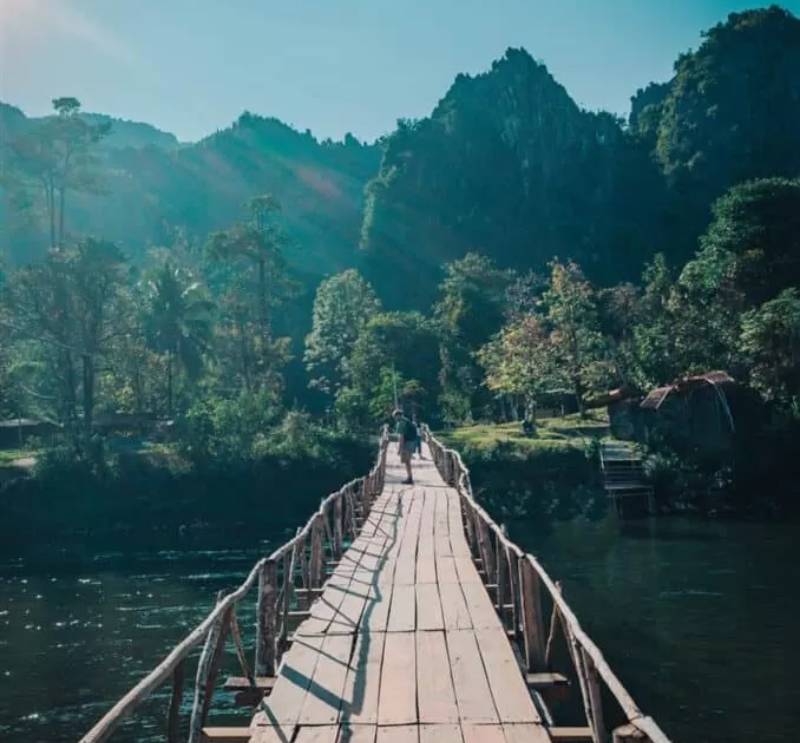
{"x":88,"y":393}
{"x":61,"y":199}
{"x":169,"y":384}
{"x":263,"y":304}
{"x":51,"y":212}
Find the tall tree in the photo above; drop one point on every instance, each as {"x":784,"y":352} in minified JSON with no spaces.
{"x":578,"y":346}
{"x":177,"y":321}
{"x":56,"y":157}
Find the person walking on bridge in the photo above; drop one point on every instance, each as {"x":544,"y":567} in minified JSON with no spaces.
{"x":407,"y":442}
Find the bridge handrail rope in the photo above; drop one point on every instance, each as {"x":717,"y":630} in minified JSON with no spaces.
{"x":303,"y":559}
{"x":518,"y":578}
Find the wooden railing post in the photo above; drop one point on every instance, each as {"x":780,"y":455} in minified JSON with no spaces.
{"x":595,"y":700}
{"x":207,"y":667}
{"x":265,"y":619}
{"x":316,"y":553}
{"x":502,"y":568}
{"x":173,"y":715}
{"x":532,"y":620}
{"x":337,"y":526}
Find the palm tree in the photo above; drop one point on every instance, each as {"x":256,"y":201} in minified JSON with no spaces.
{"x":177,"y":321}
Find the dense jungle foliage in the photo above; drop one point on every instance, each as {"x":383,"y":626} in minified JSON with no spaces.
{"x":261,"y":296}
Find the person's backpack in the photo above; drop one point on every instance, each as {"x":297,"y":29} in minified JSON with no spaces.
{"x":410,"y":432}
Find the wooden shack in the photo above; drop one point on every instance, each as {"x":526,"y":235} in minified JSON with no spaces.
{"x":698,"y":412}
{"x":16,"y":432}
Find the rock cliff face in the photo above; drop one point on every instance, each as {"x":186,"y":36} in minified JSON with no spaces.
{"x":507,"y":165}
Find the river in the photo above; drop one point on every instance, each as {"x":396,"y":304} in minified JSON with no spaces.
{"x":696,"y":617}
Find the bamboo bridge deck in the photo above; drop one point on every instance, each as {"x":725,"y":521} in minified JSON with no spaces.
{"x":398,"y":613}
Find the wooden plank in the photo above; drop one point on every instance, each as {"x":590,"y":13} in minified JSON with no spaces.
{"x":402,"y":617}
{"x":398,"y":698}
{"x":480,"y":606}
{"x":570,"y":734}
{"x":454,"y":608}
{"x":435,"y":694}
{"x":426,"y":561}
{"x":398,"y":734}
{"x":446,"y":569}
{"x":511,"y":696}
{"x":406,"y":570}
{"x":297,"y":669}
{"x":526,"y":733}
{"x":324,"y":694}
{"x":429,"y":607}
{"x":465,"y":568}
{"x":357,"y":734}
{"x":320,"y":734}
{"x":440,"y":734}
{"x":360,"y":694}
{"x":219,"y":734}
{"x":483,"y":734}
{"x":545,"y":680}
{"x":267,"y":733}
{"x":473,"y":696}
{"x":375,"y":616}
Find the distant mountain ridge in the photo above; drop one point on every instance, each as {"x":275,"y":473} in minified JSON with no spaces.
{"x":507,"y":164}
{"x":150,"y":184}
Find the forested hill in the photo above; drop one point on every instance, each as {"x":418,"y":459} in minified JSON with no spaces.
{"x":508,"y":165}
{"x":147,"y":185}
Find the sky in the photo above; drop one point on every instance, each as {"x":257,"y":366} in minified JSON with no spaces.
{"x":192,"y":66}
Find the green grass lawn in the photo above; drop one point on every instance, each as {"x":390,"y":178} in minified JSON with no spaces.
{"x":7,"y":456}
{"x":552,"y":434}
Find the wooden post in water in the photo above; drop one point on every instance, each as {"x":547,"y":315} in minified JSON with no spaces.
{"x":532,"y":621}
{"x":173,"y":716}
{"x":207,"y":668}
{"x":265,"y":619}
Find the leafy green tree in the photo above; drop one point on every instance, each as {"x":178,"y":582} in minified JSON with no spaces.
{"x":519,"y":362}
{"x":578,"y":346}
{"x":470,"y":309}
{"x":771,"y":342}
{"x":70,"y":304}
{"x":394,"y":349}
{"x":177,"y":321}
{"x":254,"y":250}
{"x":343,"y":305}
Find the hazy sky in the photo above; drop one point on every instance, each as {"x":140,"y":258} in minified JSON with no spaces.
{"x":192,"y":66}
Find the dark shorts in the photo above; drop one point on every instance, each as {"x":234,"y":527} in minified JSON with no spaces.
{"x":407,"y":448}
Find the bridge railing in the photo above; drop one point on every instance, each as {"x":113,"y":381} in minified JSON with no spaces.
{"x":289,"y":577}
{"x":521,"y":586}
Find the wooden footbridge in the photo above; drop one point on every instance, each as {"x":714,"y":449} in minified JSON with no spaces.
{"x":399,"y":613}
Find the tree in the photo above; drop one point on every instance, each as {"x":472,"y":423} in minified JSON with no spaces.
{"x":70,"y":304}
{"x":343,"y":305}
{"x":394,"y":349}
{"x":771,"y":342}
{"x":579,"y":348}
{"x":177,"y":321}
{"x":256,"y":246}
{"x":471,"y":306}
{"x":519,"y":362}
{"x":56,"y":157}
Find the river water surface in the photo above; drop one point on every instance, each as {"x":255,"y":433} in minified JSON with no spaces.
{"x":696,"y":617}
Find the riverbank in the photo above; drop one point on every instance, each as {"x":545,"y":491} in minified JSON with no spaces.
{"x":145,"y":496}
{"x":552,"y":473}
